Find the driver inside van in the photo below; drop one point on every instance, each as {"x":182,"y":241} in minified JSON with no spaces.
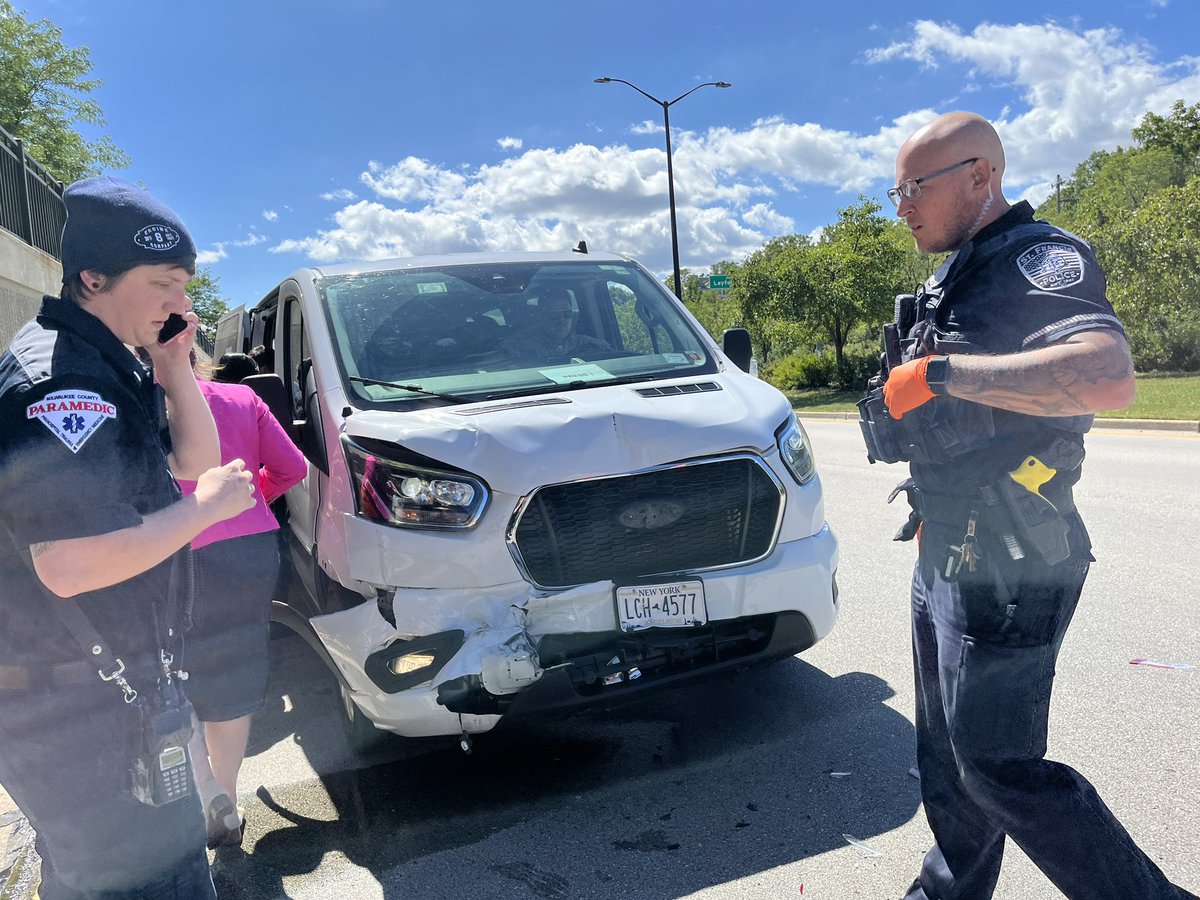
{"x":553,"y":337}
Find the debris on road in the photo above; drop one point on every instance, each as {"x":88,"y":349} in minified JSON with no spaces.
{"x":863,"y":848}
{"x":1155,"y":664}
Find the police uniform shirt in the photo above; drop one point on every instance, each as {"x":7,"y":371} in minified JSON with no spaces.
{"x":81,"y":454}
{"x":1039,"y":287}
{"x":1016,"y":286}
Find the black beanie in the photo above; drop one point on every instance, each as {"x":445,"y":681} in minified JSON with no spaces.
{"x":113,"y":225}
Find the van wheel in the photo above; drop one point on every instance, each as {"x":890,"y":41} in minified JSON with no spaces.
{"x":362,"y":736}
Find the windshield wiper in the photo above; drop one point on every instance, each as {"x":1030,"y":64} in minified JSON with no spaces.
{"x":415,"y":388}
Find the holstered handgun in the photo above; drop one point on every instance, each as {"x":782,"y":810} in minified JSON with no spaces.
{"x":1041,"y":521}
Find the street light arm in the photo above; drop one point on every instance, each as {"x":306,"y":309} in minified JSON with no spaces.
{"x":696,"y":88}
{"x":635,"y":87}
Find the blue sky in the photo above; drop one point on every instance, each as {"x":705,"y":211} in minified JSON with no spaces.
{"x":291,"y":133}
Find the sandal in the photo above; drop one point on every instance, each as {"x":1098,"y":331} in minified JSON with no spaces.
{"x":226,"y":823}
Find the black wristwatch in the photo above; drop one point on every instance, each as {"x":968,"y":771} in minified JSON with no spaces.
{"x":937,"y":373}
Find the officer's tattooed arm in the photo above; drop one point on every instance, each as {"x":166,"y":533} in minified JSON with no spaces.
{"x":36,"y":550}
{"x":1086,"y":373}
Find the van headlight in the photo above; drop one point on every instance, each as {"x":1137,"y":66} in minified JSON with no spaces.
{"x":407,"y":496}
{"x":796,"y":451}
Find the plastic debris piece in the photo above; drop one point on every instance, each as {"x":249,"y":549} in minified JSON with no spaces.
{"x":861,"y":847}
{"x":635,"y":673}
{"x":615,"y":661}
{"x":1155,"y":664}
{"x":839,"y":774}
{"x":614,"y":678}
{"x":914,"y":772}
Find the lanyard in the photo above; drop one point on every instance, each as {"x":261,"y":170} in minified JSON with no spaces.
{"x":165,"y":615}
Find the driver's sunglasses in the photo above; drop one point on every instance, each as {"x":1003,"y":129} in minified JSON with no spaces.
{"x":911,"y":189}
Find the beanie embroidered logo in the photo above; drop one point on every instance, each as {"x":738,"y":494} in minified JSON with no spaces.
{"x":73,"y":416}
{"x":157,"y":237}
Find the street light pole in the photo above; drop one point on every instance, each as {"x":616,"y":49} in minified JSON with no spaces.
{"x":666,"y":107}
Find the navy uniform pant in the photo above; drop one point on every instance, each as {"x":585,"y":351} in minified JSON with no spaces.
{"x":984,"y":652}
{"x":65,"y":756}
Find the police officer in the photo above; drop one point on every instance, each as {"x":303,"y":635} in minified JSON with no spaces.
{"x":1013,"y":349}
{"x":91,"y":529}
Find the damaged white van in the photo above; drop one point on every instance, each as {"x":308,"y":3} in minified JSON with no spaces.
{"x":535,"y":483}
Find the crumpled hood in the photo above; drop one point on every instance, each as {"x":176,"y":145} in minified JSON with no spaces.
{"x":517,"y":444}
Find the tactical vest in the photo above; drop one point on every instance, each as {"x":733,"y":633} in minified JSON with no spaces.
{"x":946,"y":427}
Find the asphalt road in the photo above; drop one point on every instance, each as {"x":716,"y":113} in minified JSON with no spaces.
{"x":744,"y":788}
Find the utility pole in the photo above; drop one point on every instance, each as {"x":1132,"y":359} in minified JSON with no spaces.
{"x":1058,"y":183}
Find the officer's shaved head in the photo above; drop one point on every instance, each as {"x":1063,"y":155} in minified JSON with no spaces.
{"x":960,"y":135}
{"x":952,"y":167}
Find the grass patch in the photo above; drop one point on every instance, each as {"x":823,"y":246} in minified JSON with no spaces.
{"x":824,"y":400}
{"x":1163,"y":396}
{"x":1159,"y":396}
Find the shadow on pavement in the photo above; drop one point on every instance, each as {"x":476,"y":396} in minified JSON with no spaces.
{"x":673,"y":794}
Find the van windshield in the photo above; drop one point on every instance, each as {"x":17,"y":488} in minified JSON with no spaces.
{"x":485,"y":330}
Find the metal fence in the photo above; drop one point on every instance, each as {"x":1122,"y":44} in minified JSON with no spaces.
{"x":31,"y":204}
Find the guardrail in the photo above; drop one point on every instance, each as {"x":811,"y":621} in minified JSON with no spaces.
{"x":31,"y":204}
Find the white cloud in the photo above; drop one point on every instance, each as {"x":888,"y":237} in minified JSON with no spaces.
{"x":344,"y":194}
{"x":1072,"y":92}
{"x":510,"y":143}
{"x":270,"y":215}
{"x":649,"y":126}
{"x":220,"y":250}
{"x":1081,"y":90}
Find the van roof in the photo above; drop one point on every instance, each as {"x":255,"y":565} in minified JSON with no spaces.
{"x":464,"y":259}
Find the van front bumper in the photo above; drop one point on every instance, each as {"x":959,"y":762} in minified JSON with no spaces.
{"x":509,"y":649}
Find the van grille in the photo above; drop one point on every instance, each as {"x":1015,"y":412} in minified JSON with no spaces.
{"x":688,"y":517}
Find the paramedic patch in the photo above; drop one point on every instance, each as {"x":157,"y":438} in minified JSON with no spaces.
{"x":73,"y":416}
{"x":1051,"y":266}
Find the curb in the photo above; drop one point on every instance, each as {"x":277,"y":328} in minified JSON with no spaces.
{"x":1184,"y":425}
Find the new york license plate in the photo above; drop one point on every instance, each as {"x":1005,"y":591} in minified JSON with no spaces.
{"x":679,"y":604}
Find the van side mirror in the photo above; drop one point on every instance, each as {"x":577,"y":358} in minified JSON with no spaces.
{"x":736,"y":344}
{"x":273,"y":393}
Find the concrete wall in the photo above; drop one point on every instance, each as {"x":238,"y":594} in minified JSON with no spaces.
{"x":26,"y":274}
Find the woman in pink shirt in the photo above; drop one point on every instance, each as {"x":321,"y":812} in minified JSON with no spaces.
{"x":227,"y":652}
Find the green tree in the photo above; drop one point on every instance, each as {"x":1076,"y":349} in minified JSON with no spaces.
{"x":1111,"y":186}
{"x":205,"y":292}
{"x":1140,"y":210}
{"x":45,"y":94}
{"x":853,"y":274}
{"x":1178,"y":133}
{"x":769,"y":290}
{"x":1152,"y":260}
{"x":715,"y":311}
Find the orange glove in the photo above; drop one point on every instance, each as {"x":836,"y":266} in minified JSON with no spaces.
{"x":906,"y":388}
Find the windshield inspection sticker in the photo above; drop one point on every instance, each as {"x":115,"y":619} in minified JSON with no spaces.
{"x":571,"y":374}
{"x":1051,"y":266}
{"x":73,"y":416}
{"x":431,"y":287}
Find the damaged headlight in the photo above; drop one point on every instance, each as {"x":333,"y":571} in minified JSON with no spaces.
{"x":796,"y":451}
{"x":397,"y":493}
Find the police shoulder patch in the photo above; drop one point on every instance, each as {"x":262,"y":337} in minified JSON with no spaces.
{"x":72,"y":416}
{"x":1051,"y":265}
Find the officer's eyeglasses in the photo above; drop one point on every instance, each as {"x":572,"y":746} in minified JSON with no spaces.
{"x":911,"y":189}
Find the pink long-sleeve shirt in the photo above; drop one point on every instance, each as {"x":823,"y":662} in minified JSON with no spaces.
{"x":250,"y":433}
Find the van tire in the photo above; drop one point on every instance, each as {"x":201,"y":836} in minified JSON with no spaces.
{"x":362,"y":737}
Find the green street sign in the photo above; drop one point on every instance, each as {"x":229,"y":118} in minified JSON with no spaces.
{"x":718,"y":282}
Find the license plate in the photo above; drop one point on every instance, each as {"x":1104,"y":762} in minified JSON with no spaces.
{"x":679,"y":604}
